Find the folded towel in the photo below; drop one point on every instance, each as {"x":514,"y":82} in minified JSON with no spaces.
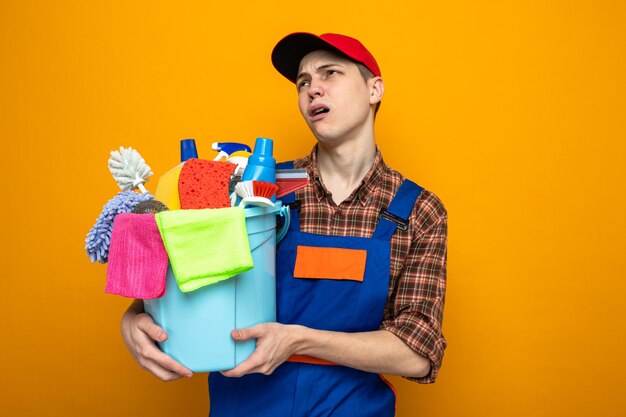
{"x":137,"y":258}
{"x":205,"y":246}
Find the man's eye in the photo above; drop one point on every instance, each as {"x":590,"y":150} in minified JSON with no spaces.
{"x":303,"y":83}
{"x":332,"y":72}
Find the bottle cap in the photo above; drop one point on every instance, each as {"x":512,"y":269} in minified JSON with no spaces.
{"x":263,"y":147}
{"x":188,"y":149}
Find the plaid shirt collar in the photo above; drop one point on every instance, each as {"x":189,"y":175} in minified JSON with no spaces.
{"x":365,"y":189}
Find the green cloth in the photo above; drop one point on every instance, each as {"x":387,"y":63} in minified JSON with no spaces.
{"x":205,"y":246}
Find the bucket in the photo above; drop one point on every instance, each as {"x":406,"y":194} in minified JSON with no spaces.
{"x":199,"y":322}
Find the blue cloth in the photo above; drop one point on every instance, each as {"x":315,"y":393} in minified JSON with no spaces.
{"x":303,"y":389}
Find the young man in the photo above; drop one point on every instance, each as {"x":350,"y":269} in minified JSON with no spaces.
{"x":361,"y":273}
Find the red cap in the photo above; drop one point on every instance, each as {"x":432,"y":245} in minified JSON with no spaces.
{"x":288,"y":53}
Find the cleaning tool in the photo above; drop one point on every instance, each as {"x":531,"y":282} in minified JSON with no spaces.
{"x":204,"y":184}
{"x":149,"y":207}
{"x":99,"y":237}
{"x":261,"y":164}
{"x":205,"y":246}
{"x":255,"y":193}
{"x":138,"y":260}
{"x":290,"y":180}
{"x":129,"y":169}
{"x":225,"y":149}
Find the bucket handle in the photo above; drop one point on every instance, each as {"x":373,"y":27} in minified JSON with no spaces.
{"x":286,"y":215}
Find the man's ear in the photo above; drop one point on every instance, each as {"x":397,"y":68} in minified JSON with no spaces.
{"x":377,"y":89}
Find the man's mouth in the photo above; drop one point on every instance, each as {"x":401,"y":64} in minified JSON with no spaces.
{"x":317,"y":111}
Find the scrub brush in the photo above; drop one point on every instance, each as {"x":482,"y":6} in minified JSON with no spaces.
{"x":256,"y":193}
{"x":129,"y":169}
{"x":150,"y":207}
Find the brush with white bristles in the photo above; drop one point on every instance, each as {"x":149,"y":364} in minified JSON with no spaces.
{"x":256,"y":193}
{"x":129,"y":169}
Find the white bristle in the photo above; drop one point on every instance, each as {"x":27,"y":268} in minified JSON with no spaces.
{"x":245,"y":190}
{"x":129,"y":169}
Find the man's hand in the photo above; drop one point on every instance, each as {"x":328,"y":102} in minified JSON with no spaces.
{"x":377,"y":351}
{"x":275,"y":343}
{"x":140,"y":333}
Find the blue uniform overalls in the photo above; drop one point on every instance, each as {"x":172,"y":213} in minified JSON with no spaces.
{"x":298,"y":389}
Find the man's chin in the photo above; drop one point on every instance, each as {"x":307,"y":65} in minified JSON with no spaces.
{"x":328,"y":142}
{"x":322,"y":132}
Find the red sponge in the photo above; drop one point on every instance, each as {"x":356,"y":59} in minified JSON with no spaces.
{"x":204,"y":184}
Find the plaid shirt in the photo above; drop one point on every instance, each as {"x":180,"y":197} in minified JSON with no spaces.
{"x":417,"y":284}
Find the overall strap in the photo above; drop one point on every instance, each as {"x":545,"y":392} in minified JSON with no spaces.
{"x":290,"y":200}
{"x":396,"y":216}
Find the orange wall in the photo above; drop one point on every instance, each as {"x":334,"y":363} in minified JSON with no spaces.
{"x":512,"y":112}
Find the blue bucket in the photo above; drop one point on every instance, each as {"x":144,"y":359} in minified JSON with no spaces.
{"x":199,"y":323}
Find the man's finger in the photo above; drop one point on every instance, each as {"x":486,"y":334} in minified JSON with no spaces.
{"x":150,"y":352}
{"x":246,"y":367}
{"x":247,"y":333}
{"x":151,"y":329}
{"x":169,"y":363}
{"x":163,"y":361}
{"x":159,"y":371}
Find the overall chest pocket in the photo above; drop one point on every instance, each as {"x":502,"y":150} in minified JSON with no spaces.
{"x":326,"y":286}
{"x":330,"y":263}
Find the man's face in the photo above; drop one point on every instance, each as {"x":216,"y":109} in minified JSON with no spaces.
{"x":333,"y":97}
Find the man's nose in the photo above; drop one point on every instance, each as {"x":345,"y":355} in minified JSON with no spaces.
{"x":315,"y":89}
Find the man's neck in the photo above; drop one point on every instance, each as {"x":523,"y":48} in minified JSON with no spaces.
{"x":343,"y":167}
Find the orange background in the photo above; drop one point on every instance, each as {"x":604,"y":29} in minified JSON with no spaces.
{"x":512,"y":112}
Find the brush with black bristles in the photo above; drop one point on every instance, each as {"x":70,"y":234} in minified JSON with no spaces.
{"x":150,"y":207}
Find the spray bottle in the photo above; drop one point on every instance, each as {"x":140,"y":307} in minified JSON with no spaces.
{"x":225,"y":149}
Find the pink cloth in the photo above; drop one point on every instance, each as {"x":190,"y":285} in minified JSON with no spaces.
{"x":137,"y":258}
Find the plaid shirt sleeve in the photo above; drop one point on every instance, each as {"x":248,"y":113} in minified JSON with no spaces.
{"x":415,"y":310}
